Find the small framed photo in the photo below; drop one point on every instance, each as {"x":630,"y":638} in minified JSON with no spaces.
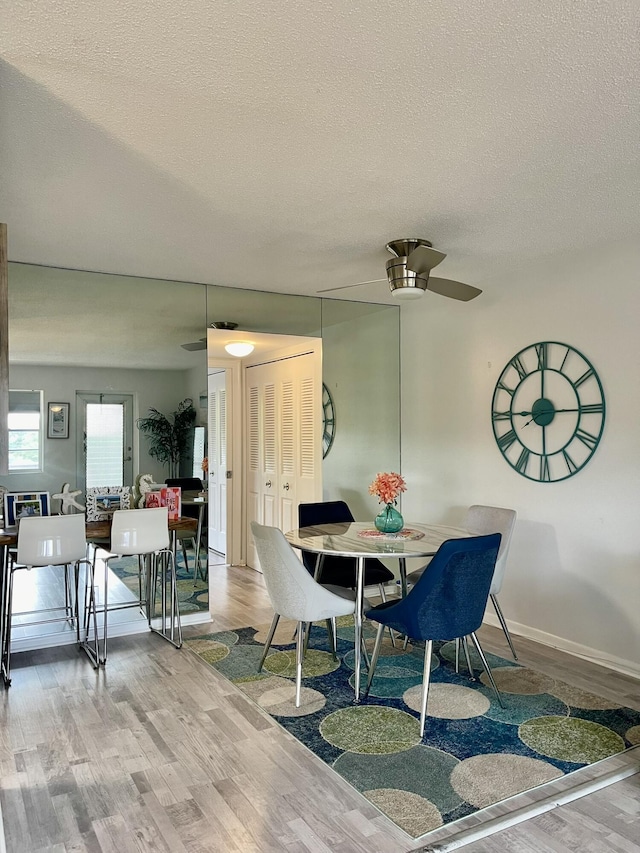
{"x":58,"y":420}
{"x":19,"y":505}
{"x":103,"y":501}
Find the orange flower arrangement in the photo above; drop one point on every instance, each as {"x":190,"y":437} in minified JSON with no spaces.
{"x":387,"y":487}
{"x":205,"y":464}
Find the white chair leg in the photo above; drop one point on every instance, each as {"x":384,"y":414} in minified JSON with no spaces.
{"x":299,"y":650}
{"x":498,"y":609}
{"x":426,"y":676}
{"x":457,"y":654}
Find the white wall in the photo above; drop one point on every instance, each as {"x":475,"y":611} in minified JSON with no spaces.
{"x":195,"y":385}
{"x":162,"y":389}
{"x":361,"y":369}
{"x":573,"y":579}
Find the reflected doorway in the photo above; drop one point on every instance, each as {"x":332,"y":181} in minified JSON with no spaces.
{"x":217,"y":469}
{"x":105,"y":439}
{"x":245,"y":448}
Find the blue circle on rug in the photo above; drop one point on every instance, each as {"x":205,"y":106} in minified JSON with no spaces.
{"x":521,"y":707}
{"x":394,"y":675}
{"x":448,"y":652}
{"x":421,"y":770}
{"x":409,"y":663}
{"x":241,"y":662}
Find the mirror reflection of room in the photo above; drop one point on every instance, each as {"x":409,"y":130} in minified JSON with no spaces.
{"x":114,"y":348}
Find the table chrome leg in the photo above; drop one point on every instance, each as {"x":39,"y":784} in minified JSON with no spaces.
{"x":357,"y":618}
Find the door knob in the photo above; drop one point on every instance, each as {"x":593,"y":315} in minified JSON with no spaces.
{"x":286,"y":486}
{"x":268,"y":484}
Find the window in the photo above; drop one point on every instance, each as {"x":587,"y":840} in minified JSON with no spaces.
{"x":25,"y":430}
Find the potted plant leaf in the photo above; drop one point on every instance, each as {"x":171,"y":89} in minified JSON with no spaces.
{"x":169,"y":437}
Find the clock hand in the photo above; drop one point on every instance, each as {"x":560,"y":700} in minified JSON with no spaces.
{"x":545,"y":412}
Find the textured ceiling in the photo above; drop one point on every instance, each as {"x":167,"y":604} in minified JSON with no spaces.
{"x":277,"y":146}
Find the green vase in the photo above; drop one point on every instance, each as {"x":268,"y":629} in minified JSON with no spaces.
{"x":389,"y":520}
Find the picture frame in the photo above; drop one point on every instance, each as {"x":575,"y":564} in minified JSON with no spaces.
{"x":58,"y":420}
{"x":103,"y":501}
{"x":19,"y":505}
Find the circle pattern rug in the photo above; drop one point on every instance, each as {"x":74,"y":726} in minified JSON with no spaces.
{"x":474,"y":752}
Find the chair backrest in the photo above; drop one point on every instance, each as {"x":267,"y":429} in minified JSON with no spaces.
{"x":293,"y":592}
{"x":450,"y":598}
{"x":325,"y":512}
{"x":493,"y":519}
{"x":139,"y":531}
{"x":51,"y":540}
{"x":187,"y":484}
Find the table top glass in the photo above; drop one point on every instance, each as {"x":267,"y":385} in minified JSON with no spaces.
{"x":343,"y":539}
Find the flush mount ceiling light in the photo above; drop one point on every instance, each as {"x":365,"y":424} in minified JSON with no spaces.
{"x":239,"y":348}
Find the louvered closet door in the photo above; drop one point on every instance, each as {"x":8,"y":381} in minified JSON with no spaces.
{"x":217,"y":455}
{"x":284,"y":444}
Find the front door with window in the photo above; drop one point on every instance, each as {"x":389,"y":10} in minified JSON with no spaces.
{"x":105,"y":439}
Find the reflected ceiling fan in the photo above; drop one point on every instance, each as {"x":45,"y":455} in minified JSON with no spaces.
{"x":202,"y":343}
{"x":408,"y":273}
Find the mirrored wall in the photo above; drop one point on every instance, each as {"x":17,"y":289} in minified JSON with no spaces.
{"x":74,"y":332}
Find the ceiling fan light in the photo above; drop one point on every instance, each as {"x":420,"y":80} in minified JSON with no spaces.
{"x":239,"y":348}
{"x":407,"y":292}
{"x":404,"y":283}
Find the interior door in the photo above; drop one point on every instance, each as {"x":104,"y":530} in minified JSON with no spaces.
{"x":284,"y":448}
{"x":217,"y":455}
{"x":105,"y":439}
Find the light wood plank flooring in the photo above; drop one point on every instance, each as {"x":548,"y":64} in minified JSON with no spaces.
{"x":160,"y":753}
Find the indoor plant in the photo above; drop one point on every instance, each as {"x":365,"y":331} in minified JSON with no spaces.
{"x":169,"y":436}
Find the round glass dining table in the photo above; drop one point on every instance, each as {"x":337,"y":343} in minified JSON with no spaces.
{"x":360,"y":540}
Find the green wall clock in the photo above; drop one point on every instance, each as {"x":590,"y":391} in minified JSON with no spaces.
{"x":548,"y":411}
{"x":328,"y":420}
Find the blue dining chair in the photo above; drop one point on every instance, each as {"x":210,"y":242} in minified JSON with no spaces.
{"x":447,"y":602}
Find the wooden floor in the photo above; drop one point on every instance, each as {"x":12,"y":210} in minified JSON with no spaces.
{"x":160,"y":753}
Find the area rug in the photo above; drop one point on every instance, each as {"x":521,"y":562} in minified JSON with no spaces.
{"x":192,"y":596}
{"x":474,"y":753}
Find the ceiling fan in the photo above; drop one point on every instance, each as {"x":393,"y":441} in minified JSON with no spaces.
{"x":192,"y":346}
{"x":408,"y":273}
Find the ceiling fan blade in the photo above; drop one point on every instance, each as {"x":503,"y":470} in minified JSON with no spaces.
{"x":347,"y":286}
{"x":195,"y":345}
{"x":424,"y":258}
{"x":453,"y":289}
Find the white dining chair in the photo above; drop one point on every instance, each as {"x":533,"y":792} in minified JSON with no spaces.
{"x":58,"y":541}
{"x":293,"y":592}
{"x":144,"y":533}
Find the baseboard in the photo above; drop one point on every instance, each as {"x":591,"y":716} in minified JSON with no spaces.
{"x":626,"y":667}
